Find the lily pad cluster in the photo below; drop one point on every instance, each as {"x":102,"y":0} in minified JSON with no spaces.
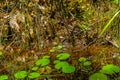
{"x":34,"y":71}
{"x":84,"y":61}
{"x":63,"y":65}
{"x":24,"y":74}
{"x":108,"y":69}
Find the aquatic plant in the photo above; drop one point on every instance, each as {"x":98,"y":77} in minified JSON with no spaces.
{"x":3,"y":77}
{"x":110,"y":69}
{"x":68,"y":69}
{"x":63,"y":56}
{"x":33,"y":75}
{"x":35,"y":68}
{"x":42,"y":62}
{"x":98,"y":76}
{"x":82,"y":59}
{"x":20,"y":74}
{"x":60,"y":65}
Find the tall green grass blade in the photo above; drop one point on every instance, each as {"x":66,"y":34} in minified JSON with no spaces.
{"x":107,"y":25}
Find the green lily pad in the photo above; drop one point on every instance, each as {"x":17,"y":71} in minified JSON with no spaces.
{"x":63,"y":56}
{"x":3,"y":77}
{"x":61,"y":65}
{"x":98,"y":76}
{"x":42,"y":62}
{"x":110,"y":69}
{"x":20,"y":74}
{"x":68,"y":69}
{"x":34,"y":75}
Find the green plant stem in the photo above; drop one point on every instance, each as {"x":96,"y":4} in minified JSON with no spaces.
{"x":106,"y":26}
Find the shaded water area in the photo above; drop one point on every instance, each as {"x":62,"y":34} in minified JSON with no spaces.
{"x":31,"y":30}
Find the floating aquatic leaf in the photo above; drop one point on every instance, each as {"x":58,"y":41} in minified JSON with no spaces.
{"x":110,"y":69}
{"x":20,"y":74}
{"x":3,"y":77}
{"x":63,"y":56}
{"x":42,"y":62}
{"x":34,"y":75}
{"x":98,"y":76}
{"x":68,"y":69}
{"x":61,"y":65}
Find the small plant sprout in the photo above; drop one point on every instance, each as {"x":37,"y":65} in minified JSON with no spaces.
{"x":52,"y":50}
{"x":98,"y":76}
{"x":87,"y":63}
{"x":63,"y":56}
{"x":82,"y":59}
{"x":46,"y":57}
{"x":59,"y":47}
{"x":35,"y":68}
{"x":1,"y":53}
{"x":3,"y":77}
{"x":84,"y":27}
{"x":20,"y":74}
{"x":55,"y":43}
{"x":34,"y":75}
{"x":43,"y":62}
{"x":110,"y":69}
